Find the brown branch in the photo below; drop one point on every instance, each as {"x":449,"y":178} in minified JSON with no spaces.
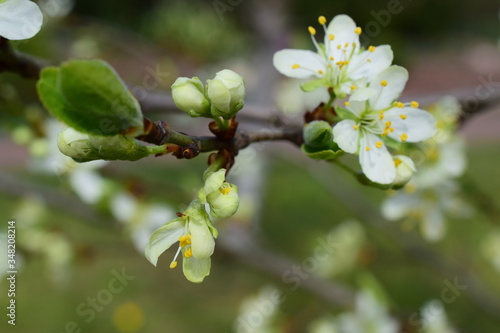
{"x":17,"y":62}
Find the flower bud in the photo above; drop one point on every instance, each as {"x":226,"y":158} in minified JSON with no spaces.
{"x":227,"y":94}
{"x":83,"y":147}
{"x":224,"y":201}
{"x":405,"y":168}
{"x":188,"y":95}
{"x":318,"y":133}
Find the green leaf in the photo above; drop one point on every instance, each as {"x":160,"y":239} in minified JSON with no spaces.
{"x":323,"y":153}
{"x":313,"y":85}
{"x":89,"y":96}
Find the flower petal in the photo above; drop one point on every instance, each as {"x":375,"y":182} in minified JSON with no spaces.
{"x":433,"y":226}
{"x":395,"y":78}
{"x":415,"y":124}
{"x":308,"y":63}
{"x":346,"y":136}
{"x":20,"y":19}
{"x":342,"y":29}
{"x":368,"y":64}
{"x":398,"y":206}
{"x":214,"y":181}
{"x":362,"y":94}
{"x":163,"y":238}
{"x":376,"y":161}
{"x":195,"y":270}
{"x":202,"y":241}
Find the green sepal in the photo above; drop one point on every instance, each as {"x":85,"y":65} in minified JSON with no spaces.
{"x":313,"y":85}
{"x":322,"y":153}
{"x":89,"y":96}
{"x":345,"y":114}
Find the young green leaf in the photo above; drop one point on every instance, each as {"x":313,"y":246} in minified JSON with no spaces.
{"x":89,"y":96}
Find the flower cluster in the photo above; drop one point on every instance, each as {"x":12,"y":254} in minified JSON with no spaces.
{"x":372,"y":117}
{"x":193,"y":228}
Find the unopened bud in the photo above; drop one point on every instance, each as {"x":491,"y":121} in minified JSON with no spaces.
{"x":188,"y":95}
{"x":227,"y":94}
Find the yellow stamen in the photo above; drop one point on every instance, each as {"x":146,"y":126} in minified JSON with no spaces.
{"x":414,"y":104}
{"x":381,"y":116}
{"x":403,"y":116}
{"x":400,"y":105}
{"x":339,"y":47}
{"x":369,"y":60}
{"x":332,"y":37}
{"x":225,"y":191}
{"x":332,"y":58}
{"x":358,"y":31}
{"x":346,"y":44}
{"x":371,"y":48}
{"x":403,"y":137}
{"x":322,"y":20}
{"x":347,"y":103}
{"x":312,"y":31}
{"x":388,"y":124}
{"x":353,"y":87}
{"x":188,"y":253}
{"x":386,"y":132}
{"x":367,"y":148}
{"x":295,"y":66}
{"x":320,"y":71}
{"x":173,"y":264}
{"x":397,"y":162}
{"x":383,"y":83}
{"x":391,"y":129}
{"x":356,"y":127}
{"x":378,"y":144}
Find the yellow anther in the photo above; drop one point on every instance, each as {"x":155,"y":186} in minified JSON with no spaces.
{"x":403,"y":116}
{"x":295,"y":66}
{"x":400,"y":105}
{"x":414,"y":104}
{"x":367,"y":148}
{"x":188,"y":253}
{"x":322,"y":20}
{"x":332,"y":58}
{"x":397,"y":162}
{"x":329,"y":66}
{"x":383,"y":83}
{"x":358,"y":31}
{"x":391,"y":129}
{"x":386,"y":132}
{"x":189,"y":236}
{"x":371,"y":48}
{"x":403,"y":137}
{"x":320,"y":71}
{"x":225,"y":191}
{"x":381,"y":116}
{"x":346,"y":44}
{"x":173,"y":264}
{"x":182,"y":239}
{"x":356,"y":127}
{"x":388,"y":124}
{"x":353,"y":87}
{"x":368,"y":60}
{"x":347,"y":103}
{"x":339,"y":47}
{"x":332,"y":37}
{"x":378,"y":144}
{"x":312,"y":31}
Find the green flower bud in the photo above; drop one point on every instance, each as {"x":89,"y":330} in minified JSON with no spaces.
{"x":224,"y":202}
{"x":405,"y":168}
{"x":227,"y":94}
{"x":83,"y":147}
{"x":188,"y":95}
{"x":318,"y":133}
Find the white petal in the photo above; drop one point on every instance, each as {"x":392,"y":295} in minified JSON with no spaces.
{"x":19,"y":19}
{"x":433,"y":226}
{"x":452,"y":159}
{"x":377,"y":163}
{"x":342,"y":28}
{"x":368,"y":64}
{"x":196,"y":270}
{"x":310,"y":63}
{"x":88,"y":185}
{"x":398,"y":206}
{"x":418,"y":125}
{"x":162,"y":239}
{"x":362,"y":94}
{"x":357,"y":107}
{"x":123,"y":206}
{"x":202,"y":240}
{"x":346,"y":136}
{"x":396,"y":77}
